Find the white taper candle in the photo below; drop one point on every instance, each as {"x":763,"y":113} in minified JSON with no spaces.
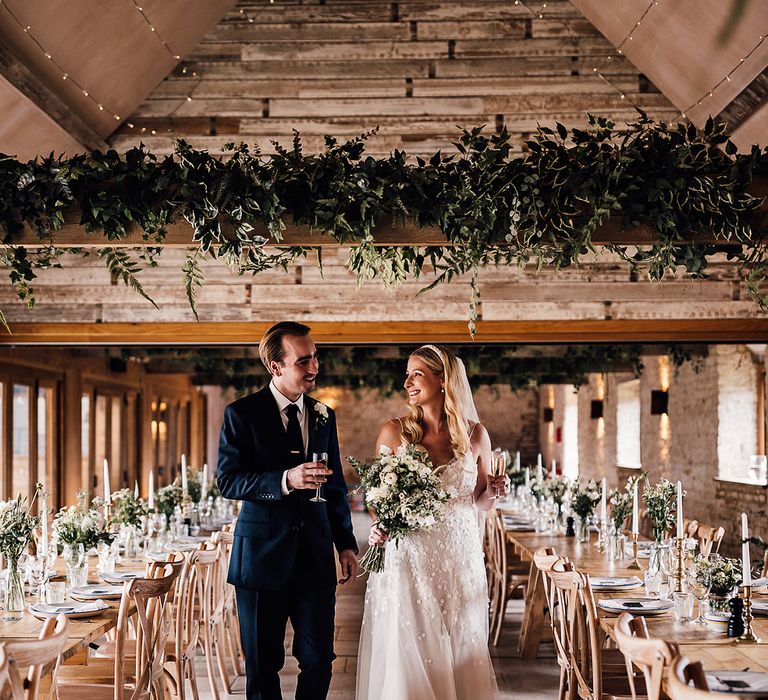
{"x":746,"y":564}
{"x":603,"y":502}
{"x":184,"y":477}
{"x":43,"y":524}
{"x":107,"y":489}
{"x":679,"y":510}
{"x":635,"y":513}
{"x":151,"y":497}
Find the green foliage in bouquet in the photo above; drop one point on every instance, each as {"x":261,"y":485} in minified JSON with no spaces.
{"x":194,"y":484}
{"x":661,"y":506}
{"x":725,"y":573}
{"x":621,"y":502}
{"x":126,"y":508}
{"x":404,"y":490}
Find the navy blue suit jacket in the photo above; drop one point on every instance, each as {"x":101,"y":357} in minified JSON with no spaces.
{"x":253,"y":454}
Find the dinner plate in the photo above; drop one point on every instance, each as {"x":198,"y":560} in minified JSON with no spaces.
{"x":181,"y":546}
{"x":72,"y":609}
{"x":615,"y":583}
{"x":745,"y":682}
{"x":97,"y":591}
{"x":120,"y":577}
{"x":636,"y":606}
{"x":760,"y":607}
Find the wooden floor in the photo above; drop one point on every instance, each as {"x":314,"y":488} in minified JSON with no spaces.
{"x":516,"y":678}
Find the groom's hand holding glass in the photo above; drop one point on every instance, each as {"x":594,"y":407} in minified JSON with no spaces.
{"x":309,"y":475}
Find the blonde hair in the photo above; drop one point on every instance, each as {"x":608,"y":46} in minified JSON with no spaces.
{"x":443,"y":362}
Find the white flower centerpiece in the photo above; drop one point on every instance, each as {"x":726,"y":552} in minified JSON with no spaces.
{"x":404,"y":490}
{"x":16,"y":527}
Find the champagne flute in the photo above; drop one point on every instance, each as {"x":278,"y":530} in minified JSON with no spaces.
{"x":498,"y":467}
{"x":700,"y":582}
{"x":321,"y":457}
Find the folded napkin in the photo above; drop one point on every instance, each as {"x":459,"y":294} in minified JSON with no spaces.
{"x":738,"y":681}
{"x":97,"y":590}
{"x":69,"y":608}
{"x":119,"y":577}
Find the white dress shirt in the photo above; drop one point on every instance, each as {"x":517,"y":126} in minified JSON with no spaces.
{"x":282,"y":403}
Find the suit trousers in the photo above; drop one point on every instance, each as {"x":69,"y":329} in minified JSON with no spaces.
{"x":263,"y":617}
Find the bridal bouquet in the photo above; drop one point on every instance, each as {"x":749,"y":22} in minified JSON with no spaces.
{"x":405,"y":492}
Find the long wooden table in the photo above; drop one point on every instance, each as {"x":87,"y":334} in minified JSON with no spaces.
{"x":81,"y":632}
{"x":698,"y":642}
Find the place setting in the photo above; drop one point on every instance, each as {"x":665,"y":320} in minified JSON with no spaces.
{"x":636,"y":606}
{"x":72,"y":609}
{"x":615,"y":583}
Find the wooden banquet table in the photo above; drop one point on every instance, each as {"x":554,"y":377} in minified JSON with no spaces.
{"x":698,"y":642}
{"x":81,"y":632}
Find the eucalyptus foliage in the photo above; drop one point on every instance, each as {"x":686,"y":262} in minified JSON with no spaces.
{"x":494,"y":209}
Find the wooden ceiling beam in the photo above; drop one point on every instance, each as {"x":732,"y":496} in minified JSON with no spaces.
{"x":27,"y":83}
{"x":749,"y":100}
{"x":379,"y":333}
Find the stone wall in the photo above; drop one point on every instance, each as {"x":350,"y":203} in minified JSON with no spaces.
{"x":681,"y":445}
{"x":510,"y":418}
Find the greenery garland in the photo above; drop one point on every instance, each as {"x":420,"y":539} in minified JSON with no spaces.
{"x":494,"y":209}
{"x":367,"y":367}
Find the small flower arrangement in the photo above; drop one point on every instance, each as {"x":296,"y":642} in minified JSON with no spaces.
{"x":213,"y":490}
{"x":321,"y":414}
{"x":725,"y":573}
{"x":194,"y":485}
{"x":404,"y":490}
{"x":661,"y":505}
{"x":584,"y":498}
{"x":126,"y":508}
{"x":556,"y":489}
{"x":167,"y":498}
{"x":16,"y":527}
{"x":80,"y":524}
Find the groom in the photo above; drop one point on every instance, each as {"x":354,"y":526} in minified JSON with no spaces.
{"x":282,"y":563}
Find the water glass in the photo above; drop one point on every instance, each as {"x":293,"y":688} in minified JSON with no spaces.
{"x":652,"y":580}
{"x":55,"y":592}
{"x":683,"y":606}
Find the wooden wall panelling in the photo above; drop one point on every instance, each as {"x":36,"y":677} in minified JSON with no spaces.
{"x":74,"y":475}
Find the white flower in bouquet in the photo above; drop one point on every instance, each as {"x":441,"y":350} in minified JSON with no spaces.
{"x":405,"y":492}
{"x":16,"y":527}
{"x":80,"y":524}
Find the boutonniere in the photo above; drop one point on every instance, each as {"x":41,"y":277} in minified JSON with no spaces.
{"x":321,"y":414}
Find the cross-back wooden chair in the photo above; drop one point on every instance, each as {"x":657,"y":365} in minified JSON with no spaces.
{"x":709,"y":538}
{"x":653,"y":656}
{"x":29,"y":659}
{"x":682,"y":673}
{"x":4,"y":677}
{"x":764,"y":572}
{"x":506,"y":572}
{"x":691,"y":528}
{"x":105,"y":678}
{"x":586,"y":673}
{"x":545,"y":560}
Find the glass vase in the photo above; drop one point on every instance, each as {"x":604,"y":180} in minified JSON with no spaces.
{"x":14,"y":588}
{"x":719,"y":603}
{"x":77,"y":565}
{"x":616,"y":543}
{"x":129,"y":541}
{"x":582,"y":529}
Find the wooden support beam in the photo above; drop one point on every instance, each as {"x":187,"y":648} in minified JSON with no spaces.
{"x":744,"y":105}
{"x":378,"y":333}
{"x":179,"y":235}
{"x":26,"y":82}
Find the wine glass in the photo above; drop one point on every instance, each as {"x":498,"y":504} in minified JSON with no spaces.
{"x":497,"y":468}
{"x":321,"y":457}
{"x":700,"y":583}
{"x":38,"y":574}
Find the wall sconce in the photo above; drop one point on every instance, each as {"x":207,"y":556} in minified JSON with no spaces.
{"x":549,"y":414}
{"x":596,"y":409}
{"x":659,"y":402}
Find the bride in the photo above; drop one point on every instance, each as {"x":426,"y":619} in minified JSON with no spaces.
{"x":425,"y":626}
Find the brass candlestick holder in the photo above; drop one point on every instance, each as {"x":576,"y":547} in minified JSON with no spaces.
{"x":748,"y":636}
{"x":635,"y":563}
{"x":601,"y":539}
{"x":680,"y":564}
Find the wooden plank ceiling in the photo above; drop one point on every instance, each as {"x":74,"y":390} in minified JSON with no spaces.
{"x":708,"y":57}
{"x":52,"y":52}
{"x":414,"y":69}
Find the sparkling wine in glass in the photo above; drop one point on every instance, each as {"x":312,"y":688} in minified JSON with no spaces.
{"x":498,"y":467}
{"x":321,"y":457}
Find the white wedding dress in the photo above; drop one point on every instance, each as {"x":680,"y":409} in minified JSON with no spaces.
{"x":425,"y":626}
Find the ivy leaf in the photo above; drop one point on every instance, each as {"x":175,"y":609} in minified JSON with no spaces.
{"x":193,"y":277}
